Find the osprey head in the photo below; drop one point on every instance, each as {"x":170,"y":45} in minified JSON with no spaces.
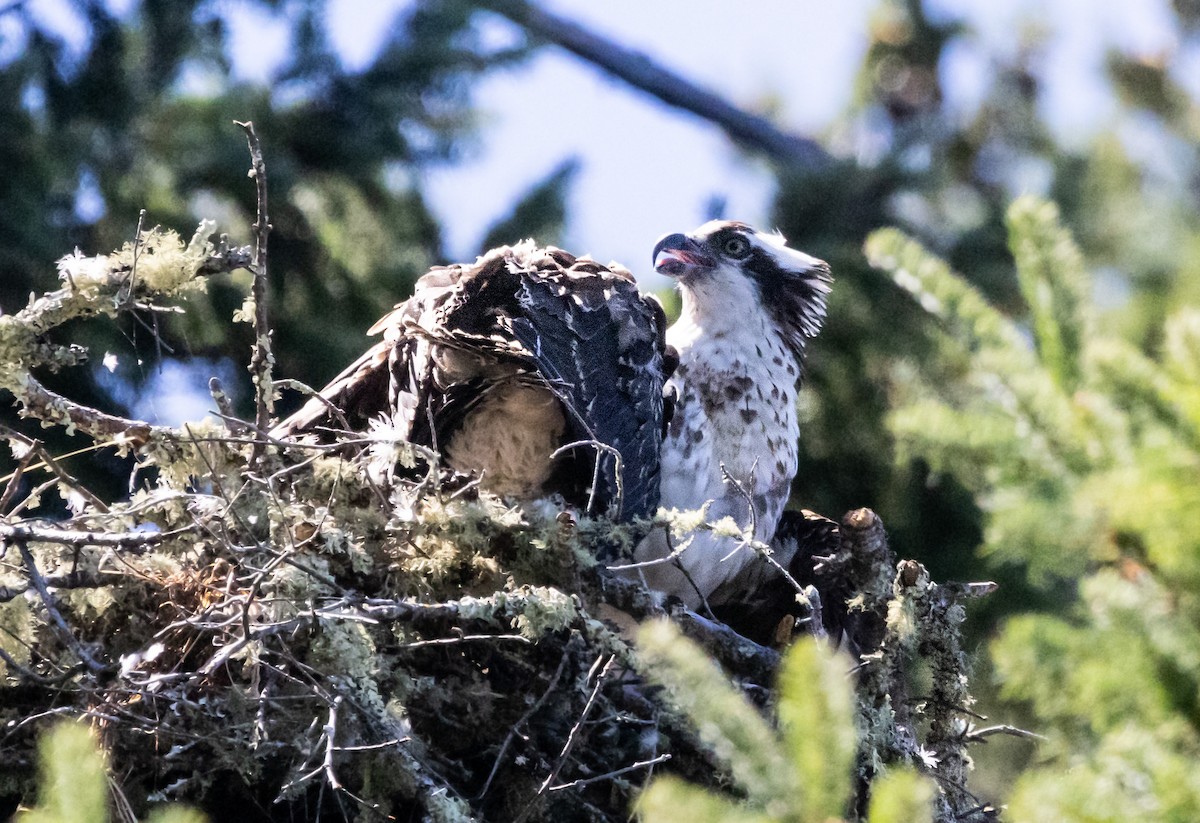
{"x":724,"y":263}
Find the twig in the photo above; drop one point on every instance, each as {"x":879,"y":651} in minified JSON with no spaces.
{"x":39,"y":583}
{"x":451,"y":641}
{"x":761,"y":549}
{"x":261,"y":359}
{"x":373,"y":747}
{"x":573,"y":735}
{"x":958,"y":591}
{"x":312,"y":394}
{"x":137,"y":248}
{"x":36,"y":447}
{"x":673,"y":557}
{"x":619,"y":470}
{"x":233,"y":425}
{"x":72,"y":537}
{"x":29,"y":674}
{"x":51,"y":407}
{"x":525,"y":718}
{"x":32,"y":499}
{"x":330,"y":744}
{"x":816,"y":610}
{"x":980,"y":735}
{"x":644,"y":764}
{"x":14,"y":480}
{"x":642,"y":73}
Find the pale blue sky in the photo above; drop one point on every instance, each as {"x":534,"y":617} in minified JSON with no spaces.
{"x":646,"y":169}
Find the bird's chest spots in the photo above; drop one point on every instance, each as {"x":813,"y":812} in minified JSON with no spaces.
{"x":738,"y":409}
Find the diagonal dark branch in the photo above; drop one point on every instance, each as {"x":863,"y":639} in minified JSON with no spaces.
{"x":638,"y":70}
{"x":64,"y":630}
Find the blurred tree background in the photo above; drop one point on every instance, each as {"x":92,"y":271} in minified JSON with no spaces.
{"x":1074,"y":489}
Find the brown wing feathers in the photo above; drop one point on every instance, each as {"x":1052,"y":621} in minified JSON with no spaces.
{"x":537,"y":316}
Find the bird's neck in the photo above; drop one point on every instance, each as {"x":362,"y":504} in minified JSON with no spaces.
{"x":736,"y":333}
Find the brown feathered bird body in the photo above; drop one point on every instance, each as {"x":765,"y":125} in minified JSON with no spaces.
{"x":540,"y":372}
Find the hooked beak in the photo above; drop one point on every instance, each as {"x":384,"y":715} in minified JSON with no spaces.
{"x":677,"y":255}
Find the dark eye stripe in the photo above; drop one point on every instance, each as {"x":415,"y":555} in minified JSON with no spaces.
{"x":793,"y":298}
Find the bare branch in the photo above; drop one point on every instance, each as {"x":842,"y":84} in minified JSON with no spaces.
{"x":64,"y":630}
{"x":261,"y":361}
{"x":644,"y":764}
{"x":638,"y":70}
{"x":573,"y":735}
{"x":36,"y":447}
{"x":981,"y":735}
{"x":39,"y":402}
{"x":73,"y":537}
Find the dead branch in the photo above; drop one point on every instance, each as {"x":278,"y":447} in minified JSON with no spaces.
{"x":261,"y":358}
{"x":24,"y":532}
{"x":36,"y":447}
{"x":48,"y":602}
{"x":638,"y":70}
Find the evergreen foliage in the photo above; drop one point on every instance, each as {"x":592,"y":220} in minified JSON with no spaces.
{"x":73,"y":782}
{"x":1082,"y":451}
{"x":801,"y":774}
{"x":1058,"y":429}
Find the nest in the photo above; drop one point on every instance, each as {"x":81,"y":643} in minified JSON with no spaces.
{"x":276,"y":628}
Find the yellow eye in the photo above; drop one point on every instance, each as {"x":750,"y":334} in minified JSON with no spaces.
{"x":736,"y":246}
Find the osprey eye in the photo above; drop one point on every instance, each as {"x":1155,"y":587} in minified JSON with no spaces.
{"x":736,"y":246}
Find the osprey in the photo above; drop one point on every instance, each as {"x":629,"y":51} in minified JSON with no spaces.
{"x":543,"y":373}
{"x":750,"y":305}
{"x":540,"y":372}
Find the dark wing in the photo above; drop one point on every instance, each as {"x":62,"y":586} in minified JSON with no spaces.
{"x":601,"y":347}
{"x":540,"y":316}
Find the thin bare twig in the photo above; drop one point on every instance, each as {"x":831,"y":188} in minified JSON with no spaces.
{"x":224,"y":405}
{"x":330,"y":743}
{"x":573,"y":735}
{"x":980,"y":735}
{"x":619,"y":463}
{"x":35,"y":446}
{"x":632,"y":767}
{"x":14,"y":480}
{"x":39,"y":583}
{"x":761,"y":549}
{"x":137,"y":248}
{"x":261,"y":360}
{"x":525,"y":718}
{"x":463,"y":638}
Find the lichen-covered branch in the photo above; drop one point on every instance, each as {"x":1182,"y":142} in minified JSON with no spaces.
{"x":166,"y":268}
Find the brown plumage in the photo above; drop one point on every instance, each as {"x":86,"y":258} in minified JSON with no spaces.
{"x":499,"y":364}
